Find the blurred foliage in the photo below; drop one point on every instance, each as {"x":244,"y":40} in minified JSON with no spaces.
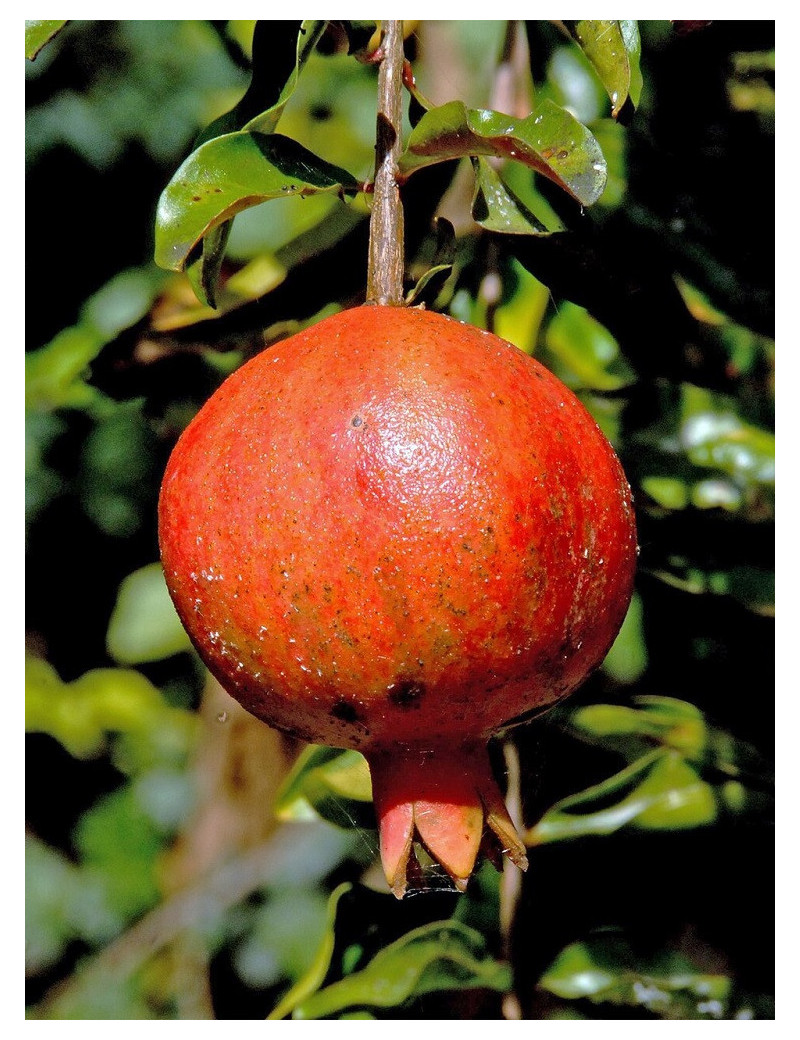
{"x":160,"y":882}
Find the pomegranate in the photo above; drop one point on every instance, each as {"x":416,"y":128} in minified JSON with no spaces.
{"x":399,"y":533}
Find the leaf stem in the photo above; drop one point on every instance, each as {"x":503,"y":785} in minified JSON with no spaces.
{"x":386,"y":260}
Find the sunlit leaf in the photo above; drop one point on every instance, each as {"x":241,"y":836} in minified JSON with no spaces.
{"x":437,"y":957}
{"x":270,"y":89}
{"x":55,"y":375}
{"x":606,"y":969}
{"x":586,"y":354}
{"x":550,"y":140}
{"x":664,"y":720}
{"x":81,"y":714}
{"x":752,"y":586}
{"x":614,"y":49}
{"x":330,"y":783}
{"x":309,"y":984}
{"x":37,"y":34}
{"x":259,"y":109}
{"x":496,"y":207}
{"x":626,"y":661}
{"x":229,"y":174}
{"x":720,"y":439}
{"x":144,"y":625}
{"x":574,"y":817}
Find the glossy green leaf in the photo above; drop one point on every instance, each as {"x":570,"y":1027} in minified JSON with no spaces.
{"x":259,"y":109}
{"x":330,"y":783}
{"x":722,"y":440}
{"x":437,"y":957}
{"x":560,"y":823}
{"x":229,"y":174}
{"x":144,"y":624}
{"x":674,"y":797}
{"x":606,"y":969}
{"x":309,"y":984}
{"x":614,"y":49}
{"x":550,"y":140}
{"x":661,"y":791}
{"x":496,"y":207}
{"x":38,"y":34}
{"x":673,"y":785}
{"x":266,"y":97}
{"x":204,"y":266}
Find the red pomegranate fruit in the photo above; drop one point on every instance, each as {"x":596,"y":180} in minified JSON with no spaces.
{"x":399,"y":533}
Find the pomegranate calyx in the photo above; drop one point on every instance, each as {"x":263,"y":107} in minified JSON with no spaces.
{"x":448,"y":800}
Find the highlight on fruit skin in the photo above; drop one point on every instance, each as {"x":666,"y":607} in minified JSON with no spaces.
{"x":398,"y":533}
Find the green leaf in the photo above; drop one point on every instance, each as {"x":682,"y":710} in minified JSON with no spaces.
{"x":718,"y":438}
{"x":81,"y":714}
{"x":430,"y":284}
{"x":204,"y":267}
{"x":753,"y":587}
{"x":664,"y":720}
{"x":550,"y":140}
{"x":661,"y":792}
{"x":286,"y":934}
{"x":496,"y":207}
{"x":614,"y":49}
{"x":259,"y":109}
{"x":120,"y":843}
{"x":232,"y":173}
{"x":441,"y":956}
{"x":55,"y":374}
{"x":62,"y":903}
{"x":37,"y":34}
{"x":360,"y":37}
{"x":585,"y":353}
{"x":626,"y":661}
{"x":268,"y":93}
{"x":606,"y":969}
{"x":330,"y":783}
{"x":144,"y":624}
{"x":309,"y":984}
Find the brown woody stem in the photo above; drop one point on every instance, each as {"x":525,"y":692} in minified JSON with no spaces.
{"x":385,"y":266}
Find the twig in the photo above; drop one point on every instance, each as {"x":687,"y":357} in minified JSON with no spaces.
{"x":386,"y":261}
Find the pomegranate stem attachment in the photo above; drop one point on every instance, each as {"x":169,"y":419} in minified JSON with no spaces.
{"x":385,"y":265}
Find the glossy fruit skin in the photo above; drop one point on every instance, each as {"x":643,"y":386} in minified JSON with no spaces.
{"x":394,"y":530}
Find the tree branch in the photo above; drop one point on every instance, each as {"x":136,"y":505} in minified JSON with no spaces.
{"x":386,"y":262}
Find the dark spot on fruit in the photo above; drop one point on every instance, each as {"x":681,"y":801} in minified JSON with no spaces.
{"x":345,"y":711}
{"x":406,"y":693}
{"x":356,"y":420}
